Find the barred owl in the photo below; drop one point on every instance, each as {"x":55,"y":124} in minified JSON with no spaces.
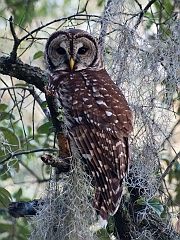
{"x":97,"y":116}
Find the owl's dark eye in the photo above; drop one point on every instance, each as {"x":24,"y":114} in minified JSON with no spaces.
{"x":82,"y":50}
{"x":60,"y":50}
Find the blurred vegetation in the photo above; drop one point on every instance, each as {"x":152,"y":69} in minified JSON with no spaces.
{"x":24,"y":126}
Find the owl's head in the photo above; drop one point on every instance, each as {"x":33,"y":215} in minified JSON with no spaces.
{"x":72,"y":50}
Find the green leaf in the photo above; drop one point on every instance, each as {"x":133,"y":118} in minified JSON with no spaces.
{"x":3,"y":154}
{"x":23,"y":231}
{"x":44,"y":128}
{"x":100,"y":3}
{"x":156,"y":205}
{"x":38,"y":55}
{"x":142,"y":202}
{"x":102,"y":234}
{"x":5,"y":197}
{"x":47,"y":169}
{"x":6,"y":115}
{"x":17,"y":195}
{"x":3,"y":107}
{"x":177,"y":190}
{"x":10,"y":137}
{"x":6,"y":227}
{"x":168,"y":6}
{"x":14,"y":164}
{"x":4,"y":173}
{"x":21,"y":85}
{"x":44,"y":104}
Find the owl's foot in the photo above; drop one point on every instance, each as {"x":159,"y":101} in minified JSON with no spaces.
{"x":63,"y":165}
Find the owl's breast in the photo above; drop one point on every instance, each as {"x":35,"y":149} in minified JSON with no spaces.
{"x":70,"y":89}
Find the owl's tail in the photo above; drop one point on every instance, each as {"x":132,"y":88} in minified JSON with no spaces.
{"x":106,"y":203}
{"x":106,"y":161}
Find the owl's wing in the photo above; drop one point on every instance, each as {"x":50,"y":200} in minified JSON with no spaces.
{"x":101,"y":103}
{"x":104,"y":124}
{"x":107,"y":160}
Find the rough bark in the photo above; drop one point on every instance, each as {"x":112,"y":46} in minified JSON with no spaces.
{"x":18,"y":69}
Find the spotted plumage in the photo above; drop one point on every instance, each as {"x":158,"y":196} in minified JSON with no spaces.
{"x":96,"y":114}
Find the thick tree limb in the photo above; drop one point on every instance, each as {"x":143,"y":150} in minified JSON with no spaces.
{"x":23,"y":71}
{"x":24,"y":209}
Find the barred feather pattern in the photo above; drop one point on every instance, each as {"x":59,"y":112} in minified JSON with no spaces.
{"x":99,"y":119}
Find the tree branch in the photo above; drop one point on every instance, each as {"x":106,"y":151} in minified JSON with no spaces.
{"x":15,"y":154}
{"x":22,"y":71}
{"x":13,"y":54}
{"x":169,"y":167}
{"x":143,"y":12}
{"x":24,"y":209}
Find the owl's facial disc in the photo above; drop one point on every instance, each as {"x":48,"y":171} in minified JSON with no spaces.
{"x":71,"y":53}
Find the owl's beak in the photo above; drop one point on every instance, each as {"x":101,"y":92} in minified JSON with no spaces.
{"x":71,"y":63}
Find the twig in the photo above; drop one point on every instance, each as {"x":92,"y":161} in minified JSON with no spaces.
{"x":30,"y":170}
{"x":84,"y":8}
{"x":169,"y":167}
{"x":73,"y":17}
{"x":15,"y":154}
{"x":39,"y":101}
{"x":171,"y":132}
{"x":13,"y":54}
{"x":17,"y":41}
{"x":143,"y":12}
{"x":34,"y":94}
{"x":140,"y":6}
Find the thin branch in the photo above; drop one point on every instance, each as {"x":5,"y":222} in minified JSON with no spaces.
{"x":171,"y":132}
{"x":140,"y":6}
{"x":15,"y":154}
{"x":84,"y":8}
{"x":13,"y":54}
{"x":17,"y":41}
{"x":169,"y":167}
{"x":34,"y":94}
{"x":39,"y":101}
{"x":141,"y":14}
{"x":30,"y":170}
{"x":72,"y":17}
